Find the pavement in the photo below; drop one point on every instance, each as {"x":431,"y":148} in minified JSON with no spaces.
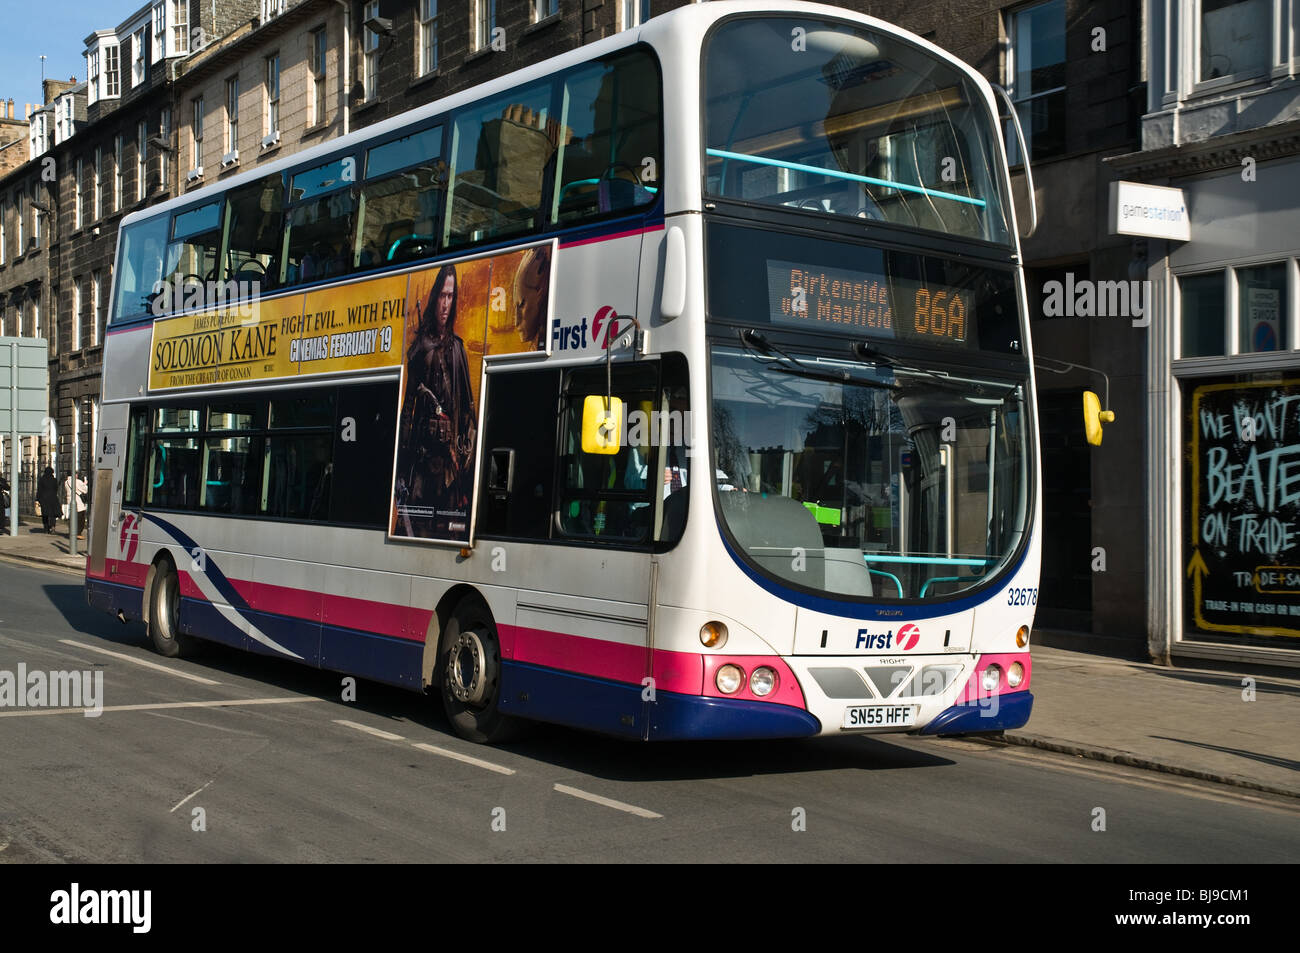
{"x":1233,"y":728}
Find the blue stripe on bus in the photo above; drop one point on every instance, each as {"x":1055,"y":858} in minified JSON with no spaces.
{"x":111,"y":597}
{"x":1012,"y":711}
{"x":617,"y":708}
{"x":854,"y":610}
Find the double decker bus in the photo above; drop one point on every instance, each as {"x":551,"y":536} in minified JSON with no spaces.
{"x":677,"y":387}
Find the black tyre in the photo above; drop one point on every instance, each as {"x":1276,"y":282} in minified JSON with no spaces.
{"x":471,"y":676}
{"x":164,"y":614}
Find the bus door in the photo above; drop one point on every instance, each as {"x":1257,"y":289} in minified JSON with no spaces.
{"x":105,"y":497}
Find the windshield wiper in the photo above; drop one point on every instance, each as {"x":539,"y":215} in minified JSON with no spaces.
{"x":759,"y":347}
{"x":866,"y":351}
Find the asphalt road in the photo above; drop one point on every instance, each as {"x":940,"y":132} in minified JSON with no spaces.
{"x":273,"y":765}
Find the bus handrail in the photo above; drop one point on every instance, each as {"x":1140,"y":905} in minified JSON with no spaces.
{"x":849,"y":176}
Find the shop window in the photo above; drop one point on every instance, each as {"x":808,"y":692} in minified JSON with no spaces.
{"x":1203,"y":315}
{"x":1262,"y":309}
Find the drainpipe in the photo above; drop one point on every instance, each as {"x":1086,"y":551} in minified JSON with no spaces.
{"x":346,"y":98}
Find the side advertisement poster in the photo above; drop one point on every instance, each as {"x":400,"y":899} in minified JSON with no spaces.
{"x":458,"y":315}
{"x":351,"y":327}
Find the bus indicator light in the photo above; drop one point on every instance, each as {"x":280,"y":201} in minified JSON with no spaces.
{"x":713,"y":635}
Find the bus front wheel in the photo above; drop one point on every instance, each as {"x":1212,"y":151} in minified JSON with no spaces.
{"x":164,"y":613}
{"x":471,"y":676}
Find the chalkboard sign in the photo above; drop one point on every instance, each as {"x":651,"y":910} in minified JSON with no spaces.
{"x":1243,"y":561}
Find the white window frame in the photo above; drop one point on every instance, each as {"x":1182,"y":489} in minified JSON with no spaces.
{"x":4,"y":211}
{"x":273,"y":93}
{"x":139,"y":64}
{"x":36,"y":317}
{"x":99,"y":182}
{"x":36,"y":218}
{"x":632,"y":13}
{"x":76,"y":315}
{"x":92,"y":76}
{"x":544,"y":9}
{"x":485,"y":21}
{"x":369,"y":53}
{"x":232,"y":113}
{"x":79,"y":198}
{"x":141,"y":159}
{"x":159,"y":30}
{"x":427,"y":38}
{"x":272,"y":9}
{"x":178,"y":33}
{"x":112,"y":70}
{"x":319,"y":67}
{"x":119,"y":151}
{"x":1241,"y":76}
{"x":164,"y":133}
{"x":18,"y":216}
{"x":196,"y":131}
{"x":1013,"y":146}
{"x":96,"y":285}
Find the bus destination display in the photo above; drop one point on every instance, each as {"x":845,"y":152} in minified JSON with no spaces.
{"x":876,"y":306}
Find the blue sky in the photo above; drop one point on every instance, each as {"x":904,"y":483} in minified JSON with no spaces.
{"x":57,"y":28}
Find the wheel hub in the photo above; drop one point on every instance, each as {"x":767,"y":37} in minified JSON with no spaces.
{"x":467,"y":669}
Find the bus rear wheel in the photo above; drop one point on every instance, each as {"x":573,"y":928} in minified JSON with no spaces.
{"x":164,"y":614}
{"x":471,"y":676}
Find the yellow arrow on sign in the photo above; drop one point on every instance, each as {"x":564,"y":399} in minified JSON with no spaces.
{"x":1197,"y":565}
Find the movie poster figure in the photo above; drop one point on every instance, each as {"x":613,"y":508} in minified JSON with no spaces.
{"x":532,"y":296}
{"x":435,"y":461}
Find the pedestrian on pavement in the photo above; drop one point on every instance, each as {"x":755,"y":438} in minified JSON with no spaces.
{"x":47,"y":497}
{"x":80,"y":497}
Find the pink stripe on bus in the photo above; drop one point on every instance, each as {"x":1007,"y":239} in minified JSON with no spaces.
{"x":608,"y":238}
{"x":673,"y":671}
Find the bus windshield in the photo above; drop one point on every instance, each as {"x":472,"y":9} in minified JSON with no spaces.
{"x":868,"y":480}
{"x":843,"y":121}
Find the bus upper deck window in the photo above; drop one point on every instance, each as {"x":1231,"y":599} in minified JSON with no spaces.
{"x":318,"y":227}
{"x":401,"y":201}
{"x":252,"y":233}
{"x":502,"y":151}
{"x":610,"y":151}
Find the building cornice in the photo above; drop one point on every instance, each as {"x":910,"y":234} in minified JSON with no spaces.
{"x":1216,"y":154}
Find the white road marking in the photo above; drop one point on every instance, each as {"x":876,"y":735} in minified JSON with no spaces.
{"x":138,"y":661}
{"x":478,"y":762}
{"x":386,"y":735}
{"x":157,"y":706}
{"x":607,"y":802}
{"x":188,"y":796}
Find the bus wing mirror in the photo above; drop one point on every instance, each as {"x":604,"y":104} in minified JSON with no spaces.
{"x":1094,"y":417}
{"x":1024,"y":159}
{"x":602,"y":424}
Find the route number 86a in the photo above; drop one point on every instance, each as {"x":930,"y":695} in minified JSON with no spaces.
{"x":1022,"y":597}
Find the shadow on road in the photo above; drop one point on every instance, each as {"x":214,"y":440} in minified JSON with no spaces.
{"x":596,"y":755}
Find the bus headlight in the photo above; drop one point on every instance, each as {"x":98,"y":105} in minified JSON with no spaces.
{"x":713,"y":635}
{"x":1015,"y":674}
{"x":730,"y":679}
{"x":1022,"y":636}
{"x":990,"y":678}
{"x":763,"y":681}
